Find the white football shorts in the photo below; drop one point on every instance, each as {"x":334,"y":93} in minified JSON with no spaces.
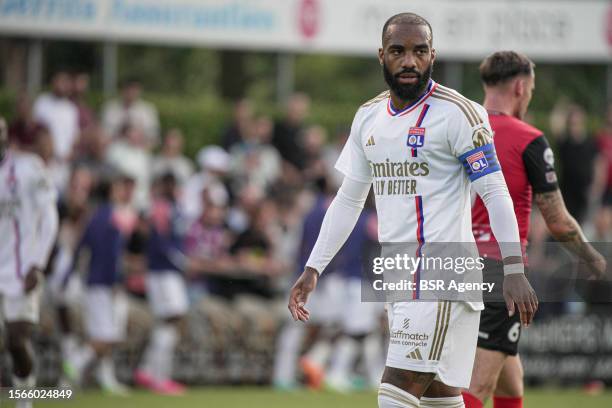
{"x":167,"y":294}
{"x":435,"y":337}
{"x":106,"y":313}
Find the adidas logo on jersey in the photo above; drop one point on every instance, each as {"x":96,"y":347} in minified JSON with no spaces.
{"x":415,"y":354}
{"x":371,"y":141}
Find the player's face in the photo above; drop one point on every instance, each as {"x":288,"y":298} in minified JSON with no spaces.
{"x":407,"y":59}
{"x":528,"y":83}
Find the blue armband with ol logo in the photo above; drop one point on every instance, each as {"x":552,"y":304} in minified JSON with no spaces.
{"x":480,"y":161}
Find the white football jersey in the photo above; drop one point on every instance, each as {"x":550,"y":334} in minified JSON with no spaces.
{"x":25,"y":190}
{"x":420,"y":161}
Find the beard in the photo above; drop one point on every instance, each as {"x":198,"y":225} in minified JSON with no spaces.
{"x":407,"y":92}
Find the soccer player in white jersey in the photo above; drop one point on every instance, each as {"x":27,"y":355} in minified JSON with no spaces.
{"x":28,"y":226}
{"x":420,"y":145}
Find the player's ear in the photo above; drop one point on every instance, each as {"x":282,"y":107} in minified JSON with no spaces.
{"x":519,"y":87}
{"x":433,"y":55}
{"x":381,"y":56}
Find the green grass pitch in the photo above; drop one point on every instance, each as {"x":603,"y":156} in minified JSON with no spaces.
{"x":248,"y":397}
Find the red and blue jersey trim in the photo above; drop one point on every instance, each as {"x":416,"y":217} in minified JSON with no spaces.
{"x":12,"y":183}
{"x":431,"y":87}
{"x":418,"y":201}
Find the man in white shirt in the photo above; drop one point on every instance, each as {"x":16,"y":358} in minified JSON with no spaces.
{"x":130,"y":108}
{"x":28,"y":226}
{"x":56,"y":111}
{"x":421,"y":146}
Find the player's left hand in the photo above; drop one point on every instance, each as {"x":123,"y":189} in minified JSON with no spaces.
{"x":32,"y":279}
{"x":305,"y":284}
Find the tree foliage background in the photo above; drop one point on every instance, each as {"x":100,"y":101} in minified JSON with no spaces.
{"x":194,"y":87}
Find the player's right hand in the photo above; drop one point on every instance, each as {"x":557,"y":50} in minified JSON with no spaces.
{"x":518,"y":291}
{"x":305,"y":284}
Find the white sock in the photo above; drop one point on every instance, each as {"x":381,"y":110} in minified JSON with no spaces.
{"x":447,"y":402}
{"x":287,"y":352}
{"x":82,"y":357}
{"x":166,"y":337}
{"x":373,"y":358}
{"x":69,"y":345}
{"x":319,"y":353}
{"x":105,"y":373}
{"x":343,"y":360}
{"x":390,"y":396}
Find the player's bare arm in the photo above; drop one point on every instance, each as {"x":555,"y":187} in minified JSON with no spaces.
{"x":564,"y":228}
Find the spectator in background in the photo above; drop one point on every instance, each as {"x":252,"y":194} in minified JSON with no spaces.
{"x":93,"y":157}
{"x":24,"y":128}
{"x":214,"y":165}
{"x":315,"y":167}
{"x":241,"y":122}
{"x":603,"y":219}
{"x":254,"y":160}
{"x":59,"y":171}
{"x":207,"y":243}
{"x":130,"y":108}
{"x":248,"y":199}
{"x":171,"y":158}
{"x":557,"y":119}
{"x":331,"y":153}
{"x":577,"y":154}
{"x":80,"y":88}
{"x":129,"y":154}
{"x":288,"y":133}
{"x":58,"y":113}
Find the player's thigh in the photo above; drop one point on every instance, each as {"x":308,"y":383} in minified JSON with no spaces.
{"x":510,"y":382}
{"x":413,"y":382}
{"x":438,"y":389}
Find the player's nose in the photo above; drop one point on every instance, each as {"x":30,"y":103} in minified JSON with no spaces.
{"x":408,"y":61}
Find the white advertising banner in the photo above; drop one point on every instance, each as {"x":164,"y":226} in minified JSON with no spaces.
{"x":557,"y":30}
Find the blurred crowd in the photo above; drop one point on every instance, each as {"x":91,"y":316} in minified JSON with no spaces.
{"x":236,"y":223}
{"x":229,"y":224}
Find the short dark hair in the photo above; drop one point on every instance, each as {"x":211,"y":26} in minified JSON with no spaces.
{"x":406,"y":18}
{"x":502,"y":66}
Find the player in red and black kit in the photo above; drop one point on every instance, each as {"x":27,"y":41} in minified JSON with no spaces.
{"x":527,"y":163}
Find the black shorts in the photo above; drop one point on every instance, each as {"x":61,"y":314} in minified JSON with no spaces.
{"x":498,"y":331}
